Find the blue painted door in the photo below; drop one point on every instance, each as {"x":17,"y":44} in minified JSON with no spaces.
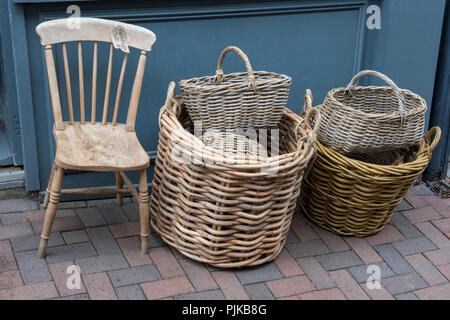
{"x":320,"y":44}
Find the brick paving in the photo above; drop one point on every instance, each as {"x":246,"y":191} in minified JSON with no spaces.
{"x":412,"y":253}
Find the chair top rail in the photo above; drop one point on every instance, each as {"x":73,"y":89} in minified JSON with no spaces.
{"x":92,"y":29}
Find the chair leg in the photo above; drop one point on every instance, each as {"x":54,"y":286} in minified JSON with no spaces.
{"x":119,"y":185}
{"x":143,"y":210}
{"x":50,"y":214}
{"x":49,"y":186}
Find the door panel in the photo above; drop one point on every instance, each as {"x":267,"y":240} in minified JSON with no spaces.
{"x":320,"y":44}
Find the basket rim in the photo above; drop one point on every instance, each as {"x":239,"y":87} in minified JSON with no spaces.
{"x":191,"y":83}
{"x":422,"y":154}
{"x":266,"y":161}
{"x":377,"y":115}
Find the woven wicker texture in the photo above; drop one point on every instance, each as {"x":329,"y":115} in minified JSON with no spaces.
{"x":228,"y":210}
{"x":237,"y":100}
{"x":234,"y":143}
{"x":371,"y":118}
{"x":353,"y":197}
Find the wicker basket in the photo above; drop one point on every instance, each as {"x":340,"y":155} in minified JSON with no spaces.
{"x":236,"y":100}
{"x":368,"y":119}
{"x":228,"y":210}
{"x":357,"y":197}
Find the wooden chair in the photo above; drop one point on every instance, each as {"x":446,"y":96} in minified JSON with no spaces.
{"x":95,"y":145}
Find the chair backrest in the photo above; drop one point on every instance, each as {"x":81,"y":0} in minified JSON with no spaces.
{"x":61,"y":31}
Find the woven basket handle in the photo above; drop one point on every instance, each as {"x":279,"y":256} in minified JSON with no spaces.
{"x":219,"y":71}
{"x":308,"y":101}
{"x":170,"y":101}
{"x":397,"y":90}
{"x":436,"y":131}
{"x":309,"y":113}
{"x":170,"y":98}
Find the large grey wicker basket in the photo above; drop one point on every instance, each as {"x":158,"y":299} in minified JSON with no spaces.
{"x":371,"y":118}
{"x":227,"y":209}
{"x":252,"y":99}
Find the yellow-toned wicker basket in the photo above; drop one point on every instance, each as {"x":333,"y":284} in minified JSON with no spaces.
{"x":357,"y":197}
{"x":230,"y":210}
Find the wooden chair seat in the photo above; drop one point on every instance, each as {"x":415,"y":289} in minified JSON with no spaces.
{"x":99,"y":147}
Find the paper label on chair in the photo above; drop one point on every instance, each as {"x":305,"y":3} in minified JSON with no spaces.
{"x":119,"y":39}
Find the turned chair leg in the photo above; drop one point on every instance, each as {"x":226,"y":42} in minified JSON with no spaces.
{"x":49,"y":186}
{"x":119,"y":185}
{"x":143,"y":210}
{"x":50,"y":213}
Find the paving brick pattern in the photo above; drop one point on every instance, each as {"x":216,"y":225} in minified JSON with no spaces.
{"x":412,"y":253}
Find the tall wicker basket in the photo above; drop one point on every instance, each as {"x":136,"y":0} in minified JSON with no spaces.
{"x":357,"y":196}
{"x":252,"y":99}
{"x":227,"y":210}
{"x":371,"y":118}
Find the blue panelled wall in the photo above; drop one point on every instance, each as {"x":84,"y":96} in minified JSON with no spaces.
{"x":440,"y":111}
{"x":319,"y":43}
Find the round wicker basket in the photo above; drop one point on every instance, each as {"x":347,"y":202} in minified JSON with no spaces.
{"x":252,"y":99}
{"x":227,"y":210}
{"x":357,"y":196}
{"x":370,"y":118}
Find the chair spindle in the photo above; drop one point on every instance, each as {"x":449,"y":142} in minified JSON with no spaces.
{"x":119,"y":88}
{"x":68,"y":84}
{"x":108,"y":84}
{"x":81,"y":80}
{"x":136,"y":92}
{"x":94,"y":83}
